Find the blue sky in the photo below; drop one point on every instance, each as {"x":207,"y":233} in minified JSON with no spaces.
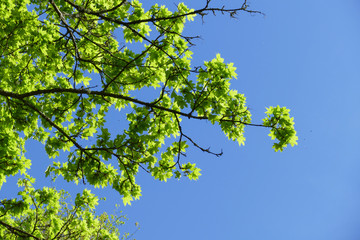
{"x":304,"y":55}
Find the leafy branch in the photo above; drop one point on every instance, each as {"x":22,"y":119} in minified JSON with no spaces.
{"x":116,"y":96}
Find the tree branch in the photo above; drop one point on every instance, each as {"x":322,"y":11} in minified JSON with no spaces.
{"x":117,"y":96}
{"x":18,"y":231}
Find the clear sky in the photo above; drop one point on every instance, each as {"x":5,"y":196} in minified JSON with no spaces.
{"x":304,"y":55}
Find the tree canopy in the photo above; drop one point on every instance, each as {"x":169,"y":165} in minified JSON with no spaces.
{"x":65,"y":65}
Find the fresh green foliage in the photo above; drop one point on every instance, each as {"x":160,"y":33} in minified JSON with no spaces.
{"x":63,"y":72}
{"x":282,"y":127}
{"x":45,"y":214}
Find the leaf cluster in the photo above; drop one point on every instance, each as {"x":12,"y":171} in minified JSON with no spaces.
{"x":63,"y":71}
{"x":46,"y":214}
